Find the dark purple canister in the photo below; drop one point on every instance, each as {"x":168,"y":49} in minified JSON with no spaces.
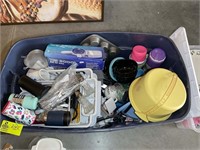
{"x":156,"y":57}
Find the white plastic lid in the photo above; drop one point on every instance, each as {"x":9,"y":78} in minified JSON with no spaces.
{"x":48,"y":144}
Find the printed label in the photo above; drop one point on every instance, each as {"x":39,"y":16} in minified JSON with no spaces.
{"x":11,"y":128}
{"x":19,"y":96}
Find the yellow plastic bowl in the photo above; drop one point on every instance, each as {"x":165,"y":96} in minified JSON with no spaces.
{"x":156,"y":95}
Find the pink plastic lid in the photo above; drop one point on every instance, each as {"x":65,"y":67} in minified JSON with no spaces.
{"x":139,"y":53}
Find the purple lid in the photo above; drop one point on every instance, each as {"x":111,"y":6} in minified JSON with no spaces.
{"x":156,"y":57}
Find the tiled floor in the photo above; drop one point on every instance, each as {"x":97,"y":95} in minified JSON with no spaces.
{"x":150,"y":16}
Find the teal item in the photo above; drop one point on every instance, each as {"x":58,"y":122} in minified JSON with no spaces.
{"x":28,"y":102}
{"x":111,"y":67}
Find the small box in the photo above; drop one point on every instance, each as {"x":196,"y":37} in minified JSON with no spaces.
{"x":62,"y":56}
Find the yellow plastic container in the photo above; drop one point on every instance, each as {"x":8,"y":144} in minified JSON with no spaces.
{"x":156,"y":95}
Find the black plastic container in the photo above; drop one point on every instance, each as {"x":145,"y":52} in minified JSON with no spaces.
{"x":32,"y":86}
{"x":124,"y":40}
{"x":125,"y":70}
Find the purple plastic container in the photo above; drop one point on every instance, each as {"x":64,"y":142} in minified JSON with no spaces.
{"x":156,"y":57}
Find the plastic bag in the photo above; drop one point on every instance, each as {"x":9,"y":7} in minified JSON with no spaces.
{"x":64,"y":85}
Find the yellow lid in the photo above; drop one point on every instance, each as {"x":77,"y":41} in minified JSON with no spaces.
{"x":156,"y":95}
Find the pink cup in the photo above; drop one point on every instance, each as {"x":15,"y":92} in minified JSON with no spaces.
{"x":138,"y":53}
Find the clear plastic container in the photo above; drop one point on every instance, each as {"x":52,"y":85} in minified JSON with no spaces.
{"x":193,"y":122}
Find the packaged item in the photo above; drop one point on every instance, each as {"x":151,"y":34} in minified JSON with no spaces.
{"x":62,"y":56}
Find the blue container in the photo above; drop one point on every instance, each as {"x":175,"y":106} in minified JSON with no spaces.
{"x":124,"y":40}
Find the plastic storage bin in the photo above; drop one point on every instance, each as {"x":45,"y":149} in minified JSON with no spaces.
{"x":124,"y":40}
{"x":193,"y":122}
{"x":180,"y":39}
{"x":195,"y":52}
